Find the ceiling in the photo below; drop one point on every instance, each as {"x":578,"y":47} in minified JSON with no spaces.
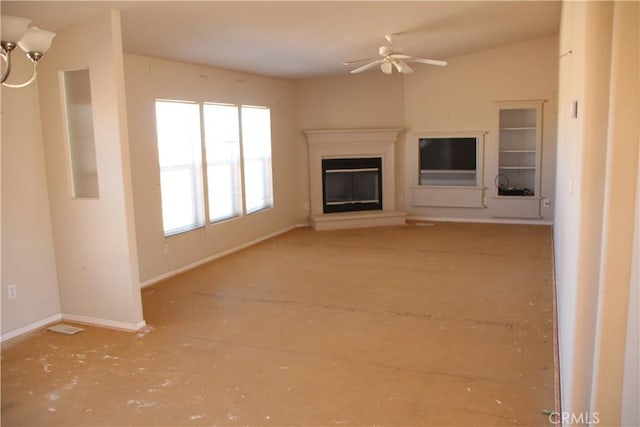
{"x":303,"y":39}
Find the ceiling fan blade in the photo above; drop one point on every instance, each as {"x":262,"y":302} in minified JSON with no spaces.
{"x":402,"y":67}
{"x":392,"y":56}
{"x":366,"y":66}
{"x":355,"y":61}
{"x":427,"y":61}
{"x":399,"y":56}
{"x":386,"y":67}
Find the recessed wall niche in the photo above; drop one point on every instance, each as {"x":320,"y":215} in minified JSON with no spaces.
{"x":76,"y":86}
{"x":447,"y":169}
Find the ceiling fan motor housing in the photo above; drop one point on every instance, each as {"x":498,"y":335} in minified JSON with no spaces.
{"x":389,"y":50}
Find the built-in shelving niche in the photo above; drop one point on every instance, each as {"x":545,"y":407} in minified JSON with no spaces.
{"x":517,"y":183}
{"x":449,"y":169}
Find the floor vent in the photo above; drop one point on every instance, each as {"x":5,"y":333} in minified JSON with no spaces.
{"x":61,"y":328}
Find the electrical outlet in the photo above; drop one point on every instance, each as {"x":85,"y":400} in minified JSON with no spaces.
{"x":306,"y":206}
{"x":166,"y":248}
{"x":12,"y":289}
{"x":573,"y":109}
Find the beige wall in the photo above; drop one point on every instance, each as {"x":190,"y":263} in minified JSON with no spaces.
{"x":368,"y":100}
{"x":461,"y":97}
{"x":595,"y":200}
{"x":148,"y":79}
{"x":596,"y":206}
{"x":94,"y":238}
{"x":27,"y":239}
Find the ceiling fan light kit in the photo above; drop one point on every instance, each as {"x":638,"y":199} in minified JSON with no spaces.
{"x":392,"y":56}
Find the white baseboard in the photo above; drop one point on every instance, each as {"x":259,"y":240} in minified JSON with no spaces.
{"x":31,"y":327}
{"x":157,"y":279}
{"x":114,"y":324}
{"x":481,"y":220}
{"x":198,"y":263}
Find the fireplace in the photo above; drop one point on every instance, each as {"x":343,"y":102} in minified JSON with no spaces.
{"x":352,"y":178}
{"x":351,"y":184}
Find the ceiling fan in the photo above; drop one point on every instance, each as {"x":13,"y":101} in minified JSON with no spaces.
{"x":391,"y":56}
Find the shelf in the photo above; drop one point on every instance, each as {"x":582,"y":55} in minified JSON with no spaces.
{"x":519,"y":148}
{"x":523,"y":197}
{"x":517,"y":151}
{"x":452,"y":177}
{"x":518,"y":167}
{"x":447,"y":171}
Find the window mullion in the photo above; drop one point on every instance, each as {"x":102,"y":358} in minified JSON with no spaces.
{"x":204,"y":165}
{"x":198,"y":171}
{"x":242,"y":180}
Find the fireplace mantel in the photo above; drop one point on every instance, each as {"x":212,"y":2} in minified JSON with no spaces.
{"x":346,"y":136}
{"x":353,"y":143}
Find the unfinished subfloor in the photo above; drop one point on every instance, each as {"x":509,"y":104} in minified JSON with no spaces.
{"x":443,"y":324}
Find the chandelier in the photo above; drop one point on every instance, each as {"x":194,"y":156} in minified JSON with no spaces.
{"x":16,"y":31}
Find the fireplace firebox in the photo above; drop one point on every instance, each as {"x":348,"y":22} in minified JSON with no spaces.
{"x":351,"y":184}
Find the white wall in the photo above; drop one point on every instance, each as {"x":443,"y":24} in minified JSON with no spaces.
{"x":595,"y":204}
{"x":27,"y":240}
{"x":461,"y":97}
{"x":94,"y":239}
{"x":579,"y":212}
{"x":617,"y":262}
{"x":631,"y":385}
{"x":148,"y":79}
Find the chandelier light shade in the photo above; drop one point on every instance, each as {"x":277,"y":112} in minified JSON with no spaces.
{"x":13,"y":28}
{"x":36,"y":40}
{"x":33,"y":40}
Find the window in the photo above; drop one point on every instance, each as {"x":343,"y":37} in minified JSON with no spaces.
{"x":179,"y":153}
{"x":256,"y":144}
{"x":237,"y":147}
{"x":222,"y":138}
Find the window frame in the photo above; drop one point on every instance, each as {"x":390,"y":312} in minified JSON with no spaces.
{"x":235,"y":165}
{"x":267,"y":165}
{"x":200,"y":172}
{"x":197,"y":174}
